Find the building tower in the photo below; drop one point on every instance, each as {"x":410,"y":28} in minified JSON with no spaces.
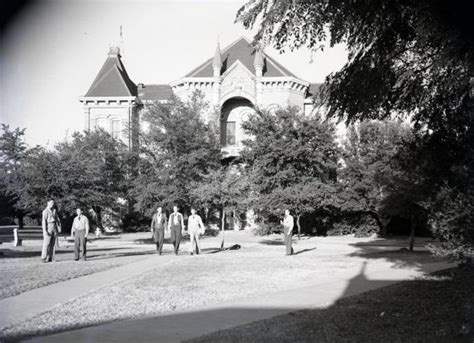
{"x":111,"y":103}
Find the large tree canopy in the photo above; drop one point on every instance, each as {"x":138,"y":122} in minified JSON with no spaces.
{"x":368,"y":167}
{"x":177,"y":148}
{"x":291,"y":161}
{"x":412,"y":57}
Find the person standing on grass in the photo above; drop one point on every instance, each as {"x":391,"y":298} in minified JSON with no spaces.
{"x":288,"y":224}
{"x":158,"y":225}
{"x":176,"y":225}
{"x":51,"y":229}
{"x":195,"y":228}
{"x":80,"y":231}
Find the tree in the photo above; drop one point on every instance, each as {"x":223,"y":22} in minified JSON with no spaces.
{"x":408,"y":58}
{"x":292,"y":159}
{"x":225,"y":189}
{"x":404,"y":56}
{"x":369,"y":149}
{"x":13,"y":153}
{"x":176,"y":149}
{"x":88,"y":172}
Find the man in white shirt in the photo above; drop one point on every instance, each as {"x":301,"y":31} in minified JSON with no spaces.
{"x":195,"y":228}
{"x":288,"y":224}
{"x":176,"y":226}
{"x":80,"y":231}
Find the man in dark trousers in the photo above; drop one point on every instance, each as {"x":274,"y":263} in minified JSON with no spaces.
{"x":80,"y":231}
{"x":51,"y":229}
{"x":176,"y":225}
{"x":158,"y":225}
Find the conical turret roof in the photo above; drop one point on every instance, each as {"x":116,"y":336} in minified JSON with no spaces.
{"x":112,"y":79}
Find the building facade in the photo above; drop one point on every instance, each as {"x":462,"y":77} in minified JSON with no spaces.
{"x":235,"y":81}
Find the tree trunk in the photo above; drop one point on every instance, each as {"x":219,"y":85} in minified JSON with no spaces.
{"x":298,"y":225}
{"x":21,"y":223}
{"x":222,"y":228}
{"x":412,"y":235}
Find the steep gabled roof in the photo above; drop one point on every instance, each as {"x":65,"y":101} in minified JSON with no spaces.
{"x":155,"y":92}
{"x":243,"y":51}
{"x":112,"y":79}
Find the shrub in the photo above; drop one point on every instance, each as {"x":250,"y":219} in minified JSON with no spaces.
{"x":360,"y":226}
{"x":264,"y":229}
{"x":135,"y":222}
{"x":452,"y":222}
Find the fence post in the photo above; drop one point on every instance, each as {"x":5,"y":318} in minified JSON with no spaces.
{"x":17,"y":240}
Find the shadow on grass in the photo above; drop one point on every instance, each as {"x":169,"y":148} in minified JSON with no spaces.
{"x":216,"y":250}
{"x":398,"y":312}
{"x":120,"y":254}
{"x":184,"y":238}
{"x":272,"y":242}
{"x":9,"y":253}
{"x":303,"y":251}
{"x":394,"y":251}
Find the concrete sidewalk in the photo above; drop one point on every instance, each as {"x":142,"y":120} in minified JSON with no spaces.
{"x":182,"y":325}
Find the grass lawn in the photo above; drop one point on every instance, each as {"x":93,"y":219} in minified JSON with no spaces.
{"x":182,"y":282}
{"x":439,"y":308}
{"x":22,"y":269}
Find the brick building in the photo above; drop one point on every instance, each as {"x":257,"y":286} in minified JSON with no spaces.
{"x":234,"y":81}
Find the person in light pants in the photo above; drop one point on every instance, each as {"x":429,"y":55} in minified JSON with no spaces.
{"x":51,"y":229}
{"x":288,"y":224}
{"x":195,"y":228}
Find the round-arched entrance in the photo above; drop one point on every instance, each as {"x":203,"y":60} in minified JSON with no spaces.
{"x":234,"y":111}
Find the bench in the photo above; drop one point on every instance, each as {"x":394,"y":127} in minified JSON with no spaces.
{"x":13,"y":233}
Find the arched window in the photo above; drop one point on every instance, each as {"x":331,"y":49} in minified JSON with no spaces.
{"x":231,"y":133}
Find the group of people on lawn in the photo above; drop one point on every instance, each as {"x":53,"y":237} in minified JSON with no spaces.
{"x":174,"y":225}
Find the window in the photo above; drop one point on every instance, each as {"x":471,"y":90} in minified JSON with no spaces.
{"x":116,"y":129}
{"x":230,"y":133}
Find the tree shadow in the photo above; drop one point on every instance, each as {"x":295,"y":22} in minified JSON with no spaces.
{"x":387,"y":310}
{"x":121,"y":254}
{"x":394,"y":251}
{"x":11,"y":254}
{"x":217,"y":250}
{"x":303,"y":251}
{"x":272,"y":242}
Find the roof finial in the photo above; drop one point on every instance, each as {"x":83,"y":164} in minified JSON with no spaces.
{"x":258,"y":62}
{"x":217,"y":62}
{"x":114,"y":50}
{"x":120,"y":45}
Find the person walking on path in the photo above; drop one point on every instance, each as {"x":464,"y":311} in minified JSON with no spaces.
{"x":176,"y":225}
{"x":158,"y":225}
{"x":288,"y":224}
{"x":80,"y":231}
{"x":51,"y":228}
{"x":195,"y":228}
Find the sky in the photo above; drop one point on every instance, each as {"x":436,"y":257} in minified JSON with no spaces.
{"x":52,"y":51}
